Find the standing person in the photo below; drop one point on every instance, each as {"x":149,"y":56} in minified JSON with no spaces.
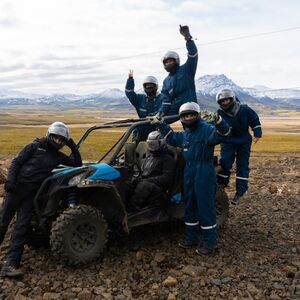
{"x":145,"y":104}
{"x":197,"y":141}
{"x":239,"y":117}
{"x":27,"y":172}
{"x":179,"y":86}
{"x":157,"y":172}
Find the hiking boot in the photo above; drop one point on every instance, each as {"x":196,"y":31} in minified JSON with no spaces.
{"x":236,"y":199}
{"x":10,"y":271}
{"x":204,"y":250}
{"x":186,"y":244}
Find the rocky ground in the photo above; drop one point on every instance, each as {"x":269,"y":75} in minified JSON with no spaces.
{"x":259,"y":256}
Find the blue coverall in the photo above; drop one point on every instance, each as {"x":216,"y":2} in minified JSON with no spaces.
{"x":199,"y":177}
{"x":179,"y":88}
{"x":145,"y":106}
{"x":238,"y":146}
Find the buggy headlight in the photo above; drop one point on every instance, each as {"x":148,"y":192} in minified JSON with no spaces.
{"x":76,"y":179}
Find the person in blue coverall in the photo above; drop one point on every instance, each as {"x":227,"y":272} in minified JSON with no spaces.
{"x":179,"y":86}
{"x":239,"y":117}
{"x":146,"y":104}
{"x":197,"y":141}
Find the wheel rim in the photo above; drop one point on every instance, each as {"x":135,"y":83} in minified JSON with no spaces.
{"x":83,"y":237}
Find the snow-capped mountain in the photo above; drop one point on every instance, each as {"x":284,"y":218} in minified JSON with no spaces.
{"x":259,"y":97}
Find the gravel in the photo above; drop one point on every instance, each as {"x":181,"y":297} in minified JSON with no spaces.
{"x":259,"y":255}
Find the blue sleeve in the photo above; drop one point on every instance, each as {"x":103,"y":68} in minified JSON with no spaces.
{"x":254,"y":122}
{"x":218,"y":133}
{"x":166,"y":100}
{"x":175,"y":139}
{"x":130,"y":93}
{"x":192,"y":60}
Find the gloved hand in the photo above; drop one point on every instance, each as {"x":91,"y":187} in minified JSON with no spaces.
{"x":255,"y":139}
{"x":136,"y":180}
{"x":71,"y":144}
{"x":130,"y":74}
{"x":9,"y":187}
{"x":211,"y":118}
{"x":185,"y":31}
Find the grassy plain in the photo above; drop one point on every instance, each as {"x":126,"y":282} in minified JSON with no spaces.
{"x":18,"y":128}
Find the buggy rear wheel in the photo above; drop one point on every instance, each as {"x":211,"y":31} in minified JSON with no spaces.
{"x":222,"y":207}
{"x":79,"y":235}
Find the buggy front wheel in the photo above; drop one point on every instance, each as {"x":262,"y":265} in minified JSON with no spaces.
{"x":79,"y":235}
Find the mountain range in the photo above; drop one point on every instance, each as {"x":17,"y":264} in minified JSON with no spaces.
{"x":259,"y":97}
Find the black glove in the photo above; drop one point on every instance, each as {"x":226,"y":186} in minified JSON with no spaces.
{"x":71,"y":144}
{"x":184,"y":30}
{"x":9,"y":187}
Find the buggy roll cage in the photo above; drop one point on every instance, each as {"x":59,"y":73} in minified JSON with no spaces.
{"x":131,"y":123}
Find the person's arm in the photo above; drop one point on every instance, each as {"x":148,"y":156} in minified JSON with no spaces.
{"x":74,"y":160}
{"x":218,"y":132}
{"x":255,"y":125}
{"x":192,"y":60}
{"x":168,"y":171}
{"x":172,"y":138}
{"x":16,"y":165}
{"x":166,"y":100}
{"x":129,"y":89}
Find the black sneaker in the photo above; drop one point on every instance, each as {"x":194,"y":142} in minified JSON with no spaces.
{"x":187,"y":245}
{"x":10,"y":271}
{"x":236,"y":199}
{"x":206,"y":251}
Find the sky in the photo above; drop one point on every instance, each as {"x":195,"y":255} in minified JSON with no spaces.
{"x":82,"y":47}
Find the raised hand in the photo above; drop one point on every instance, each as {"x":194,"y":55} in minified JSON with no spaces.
{"x":130,"y":74}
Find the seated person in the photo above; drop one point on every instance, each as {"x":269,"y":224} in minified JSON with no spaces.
{"x":157,"y":172}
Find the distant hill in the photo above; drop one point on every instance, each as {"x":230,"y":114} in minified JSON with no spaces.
{"x":259,"y":97}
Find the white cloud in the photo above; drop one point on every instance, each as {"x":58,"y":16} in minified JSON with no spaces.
{"x":87,"y":46}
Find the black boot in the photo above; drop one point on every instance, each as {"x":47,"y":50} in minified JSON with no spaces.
{"x":236,"y":199}
{"x":204,"y":250}
{"x":10,"y":271}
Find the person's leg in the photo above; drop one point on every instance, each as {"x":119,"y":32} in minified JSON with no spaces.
{"x":19,"y":234}
{"x":143,"y":191}
{"x":8,"y":210}
{"x":191,"y":217}
{"x":226,"y":161}
{"x":205,"y":194}
{"x":242,"y":173}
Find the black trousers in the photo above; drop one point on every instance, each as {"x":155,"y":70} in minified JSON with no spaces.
{"x":142,"y":192}
{"x":20,"y":202}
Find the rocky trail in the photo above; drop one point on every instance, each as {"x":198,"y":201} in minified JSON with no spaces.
{"x":259,"y":255}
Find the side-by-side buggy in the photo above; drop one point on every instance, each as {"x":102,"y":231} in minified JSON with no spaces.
{"x":79,"y":205}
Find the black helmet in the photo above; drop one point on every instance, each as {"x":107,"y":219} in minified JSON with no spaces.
{"x":225,"y":94}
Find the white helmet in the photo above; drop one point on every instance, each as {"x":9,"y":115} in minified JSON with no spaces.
{"x":156,"y":141}
{"x":189,"y":107}
{"x":171,"y":54}
{"x":150,"y":79}
{"x":59,"y":128}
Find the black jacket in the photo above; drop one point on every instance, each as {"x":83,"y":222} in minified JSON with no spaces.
{"x":159,"y":169}
{"x":36,"y":161}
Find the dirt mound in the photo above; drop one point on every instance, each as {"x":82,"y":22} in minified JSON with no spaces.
{"x":259,"y":255}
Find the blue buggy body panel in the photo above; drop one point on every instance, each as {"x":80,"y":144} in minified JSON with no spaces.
{"x":102,"y":172}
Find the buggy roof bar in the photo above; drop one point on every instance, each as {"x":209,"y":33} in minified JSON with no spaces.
{"x":133,"y":123}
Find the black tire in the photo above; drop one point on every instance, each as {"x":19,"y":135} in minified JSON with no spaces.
{"x":222,"y":207}
{"x":78,"y":235}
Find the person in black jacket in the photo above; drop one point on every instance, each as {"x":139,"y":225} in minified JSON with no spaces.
{"x":27,"y":172}
{"x":157,"y":172}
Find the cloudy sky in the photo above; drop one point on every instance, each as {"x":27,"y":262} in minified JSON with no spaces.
{"x":76,"y":46}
